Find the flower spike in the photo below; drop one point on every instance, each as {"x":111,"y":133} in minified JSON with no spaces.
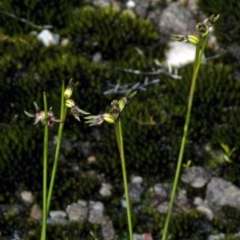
{"x":76,"y":111}
{"x":98,"y":119}
{"x":40,"y":116}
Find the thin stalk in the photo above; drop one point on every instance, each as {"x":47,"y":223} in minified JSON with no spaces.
{"x":45,"y":155}
{"x":119,"y":137}
{"x":197,"y":63}
{"x":59,"y":139}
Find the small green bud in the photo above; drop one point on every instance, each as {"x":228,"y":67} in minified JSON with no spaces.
{"x":68,"y":92}
{"x":212,"y":19}
{"x":122,"y":103}
{"x":69,"y":89}
{"x":108,"y":117}
{"x":193,"y":39}
{"x":202,"y":28}
{"x":70,"y":103}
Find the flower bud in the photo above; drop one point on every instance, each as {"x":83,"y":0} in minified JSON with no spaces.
{"x":70,"y":103}
{"x":193,"y":39}
{"x":69,"y":89}
{"x":122,"y":103}
{"x":68,"y":92}
{"x":108,"y":117}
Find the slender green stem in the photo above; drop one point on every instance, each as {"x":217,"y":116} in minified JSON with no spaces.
{"x":45,"y":155}
{"x":59,"y":139}
{"x":198,"y":59}
{"x":118,"y":130}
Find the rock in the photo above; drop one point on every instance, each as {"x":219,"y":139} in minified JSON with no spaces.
{"x":198,"y":201}
{"x":137,"y":236}
{"x":159,"y":194}
{"x":48,"y":38}
{"x":57,"y":217}
{"x":130,"y":4}
{"x":182,"y":201}
{"x":64,"y":42}
{"x":108,"y":231}
{"x":77,"y":211}
{"x":26,"y":196}
{"x":196,"y":176}
{"x":192,"y":6}
{"x":180,"y":54}
{"x":135,"y":191}
{"x":206,"y":211}
{"x":147,"y":236}
{"x":221,"y":192}
{"x":220,"y":236}
{"x":163,"y":207}
{"x":97,"y":57}
{"x":95,"y":212}
{"x":105,"y":190}
{"x":57,"y":214}
{"x":137,"y":179}
{"x":160,"y":190}
{"x":144,"y":236}
{"x":203,"y":207}
{"x":36,"y":212}
{"x":177,"y":19}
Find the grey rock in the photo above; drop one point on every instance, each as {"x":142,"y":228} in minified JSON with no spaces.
{"x":108,"y":231}
{"x":77,"y":211}
{"x":57,"y":214}
{"x":26,"y":196}
{"x":96,"y":210}
{"x":59,"y":221}
{"x":177,"y":19}
{"x":135,"y":191}
{"x":221,"y":192}
{"x":196,"y":176}
{"x":181,"y":201}
{"x":105,"y":190}
{"x":137,"y":236}
{"x":163,"y":207}
{"x":220,"y":236}
{"x":159,"y":194}
{"x":206,"y":211}
{"x":144,"y":236}
{"x":137,"y":179}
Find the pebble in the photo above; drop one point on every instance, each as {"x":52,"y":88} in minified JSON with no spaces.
{"x":96,"y":210}
{"x":27,"y":196}
{"x":77,"y":211}
{"x":105,"y":190}
{"x":57,"y":214}
{"x":221,"y":192}
{"x":108,"y":231}
{"x":196,"y":176}
{"x":36,"y":212}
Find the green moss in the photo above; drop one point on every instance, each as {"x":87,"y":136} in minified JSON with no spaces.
{"x":23,"y":16}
